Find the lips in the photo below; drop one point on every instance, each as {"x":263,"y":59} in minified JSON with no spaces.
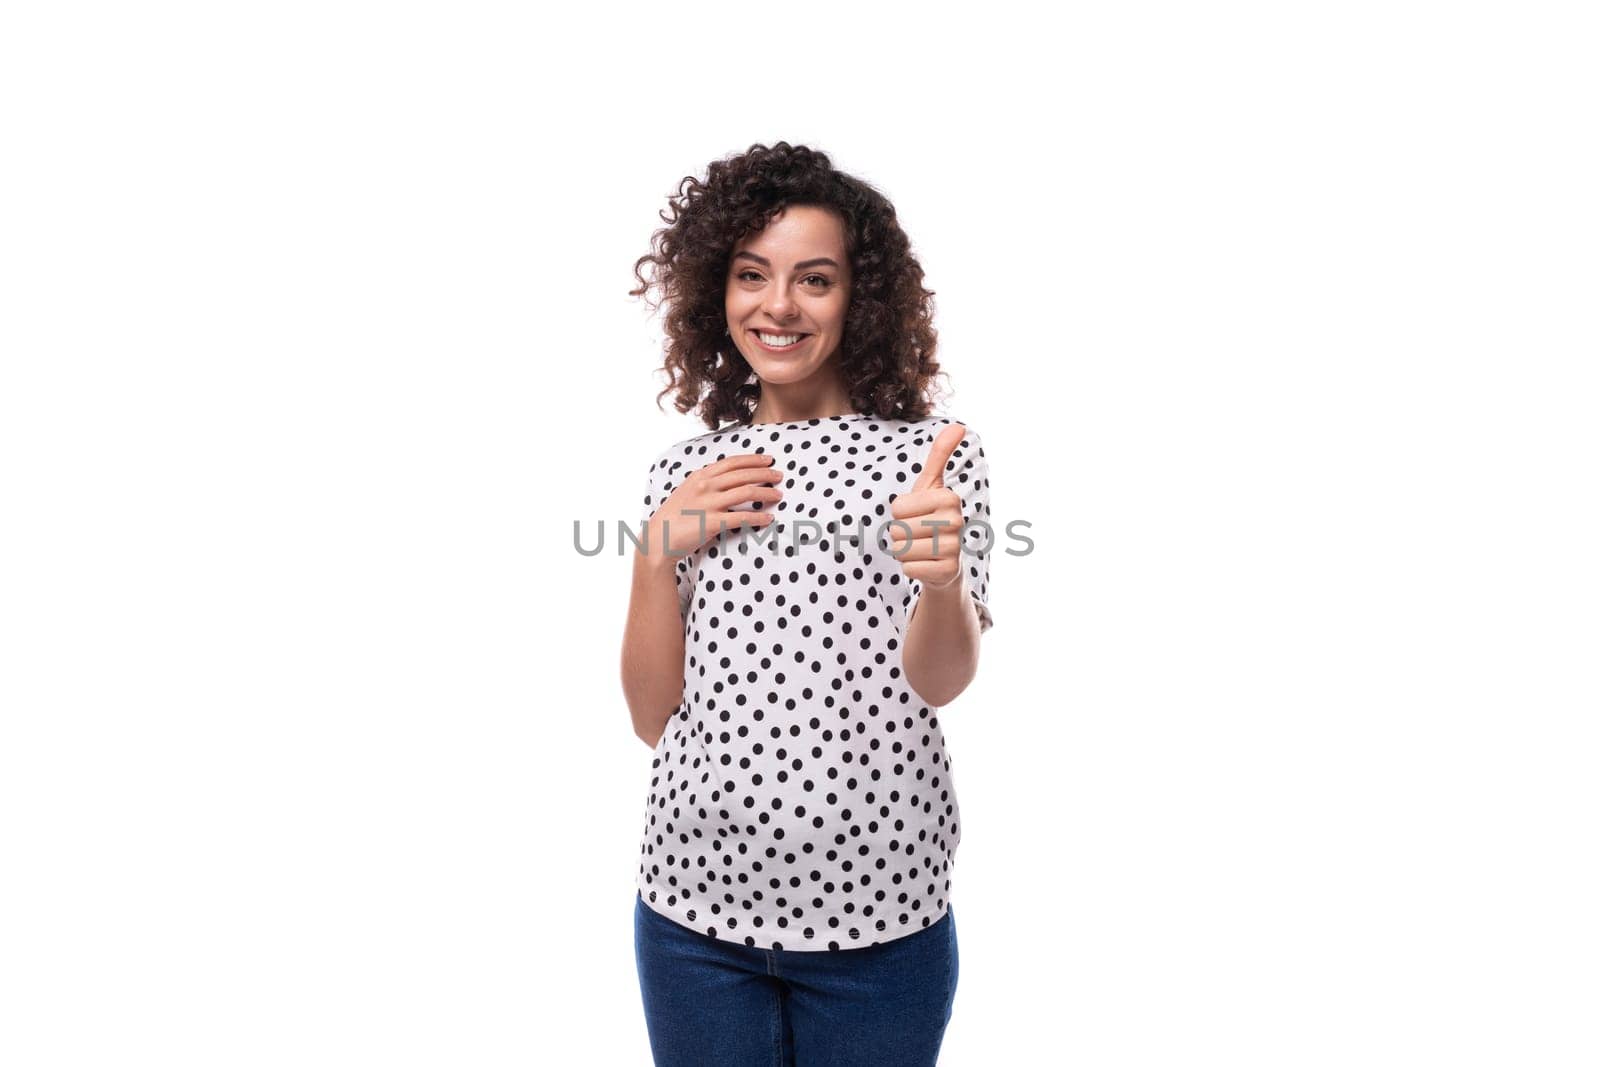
{"x":756,"y":336}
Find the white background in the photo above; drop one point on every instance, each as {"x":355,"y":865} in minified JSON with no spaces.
{"x":1278,"y":322}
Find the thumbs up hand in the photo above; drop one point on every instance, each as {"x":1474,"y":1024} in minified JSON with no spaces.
{"x":932,"y":554}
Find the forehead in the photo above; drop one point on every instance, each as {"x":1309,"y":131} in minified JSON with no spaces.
{"x":799,"y":231}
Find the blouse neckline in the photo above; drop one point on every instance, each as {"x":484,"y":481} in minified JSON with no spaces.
{"x":801,"y":422}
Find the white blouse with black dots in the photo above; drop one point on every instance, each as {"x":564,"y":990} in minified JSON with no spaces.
{"x":801,"y":796}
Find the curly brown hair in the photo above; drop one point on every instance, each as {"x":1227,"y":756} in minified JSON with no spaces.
{"x":886,"y":355}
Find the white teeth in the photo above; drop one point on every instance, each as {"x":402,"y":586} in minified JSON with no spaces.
{"x":779,"y":340}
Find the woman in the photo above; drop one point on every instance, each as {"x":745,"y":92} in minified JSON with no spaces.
{"x":805,"y":599}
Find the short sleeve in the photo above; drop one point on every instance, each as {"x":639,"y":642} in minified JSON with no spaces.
{"x":665,"y":476}
{"x":654,"y":493}
{"x":968,"y":474}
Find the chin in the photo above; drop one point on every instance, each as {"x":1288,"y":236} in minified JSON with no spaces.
{"x":785,"y":375}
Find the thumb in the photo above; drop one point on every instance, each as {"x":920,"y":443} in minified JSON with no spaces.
{"x":932,"y":476}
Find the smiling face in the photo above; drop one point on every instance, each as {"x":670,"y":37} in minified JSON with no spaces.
{"x":791,"y":279}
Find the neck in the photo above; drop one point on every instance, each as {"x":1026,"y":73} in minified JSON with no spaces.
{"x":774,"y":407}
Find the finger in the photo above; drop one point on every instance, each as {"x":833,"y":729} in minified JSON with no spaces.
{"x":947,"y":537}
{"x":740,"y":461}
{"x":926,"y":529}
{"x":732,"y":520}
{"x":939,"y":456}
{"x":922,"y":502}
{"x":746,"y":494}
{"x":737,"y":476}
{"x":939,"y":573}
{"x":922,"y":548}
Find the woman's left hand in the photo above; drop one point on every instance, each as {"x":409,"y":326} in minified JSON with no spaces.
{"x":932,"y":554}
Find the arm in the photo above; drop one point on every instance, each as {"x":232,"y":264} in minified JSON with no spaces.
{"x":949,"y":608}
{"x":652,"y":645}
{"x":940,"y":656}
{"x":696,"y":508}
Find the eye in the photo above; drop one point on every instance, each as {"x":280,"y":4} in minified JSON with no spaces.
{"x":819,"y":277}
{"x":741,"y":274}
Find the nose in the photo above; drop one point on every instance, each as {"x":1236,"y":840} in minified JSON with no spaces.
{"x":778,"y":304}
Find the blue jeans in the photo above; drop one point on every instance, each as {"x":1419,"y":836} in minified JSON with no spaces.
{"x":711,"y":1002}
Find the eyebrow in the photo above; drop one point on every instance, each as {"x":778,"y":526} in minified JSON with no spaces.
{"x":802,"y":265}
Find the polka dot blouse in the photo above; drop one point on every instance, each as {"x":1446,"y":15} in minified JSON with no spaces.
{"x":801,"y":796}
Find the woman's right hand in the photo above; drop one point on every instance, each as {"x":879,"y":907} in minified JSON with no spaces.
{"x":714,"y":489}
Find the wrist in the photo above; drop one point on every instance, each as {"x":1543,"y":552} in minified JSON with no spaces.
{"x":952,"y":590}
{"x":654,"y":562}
